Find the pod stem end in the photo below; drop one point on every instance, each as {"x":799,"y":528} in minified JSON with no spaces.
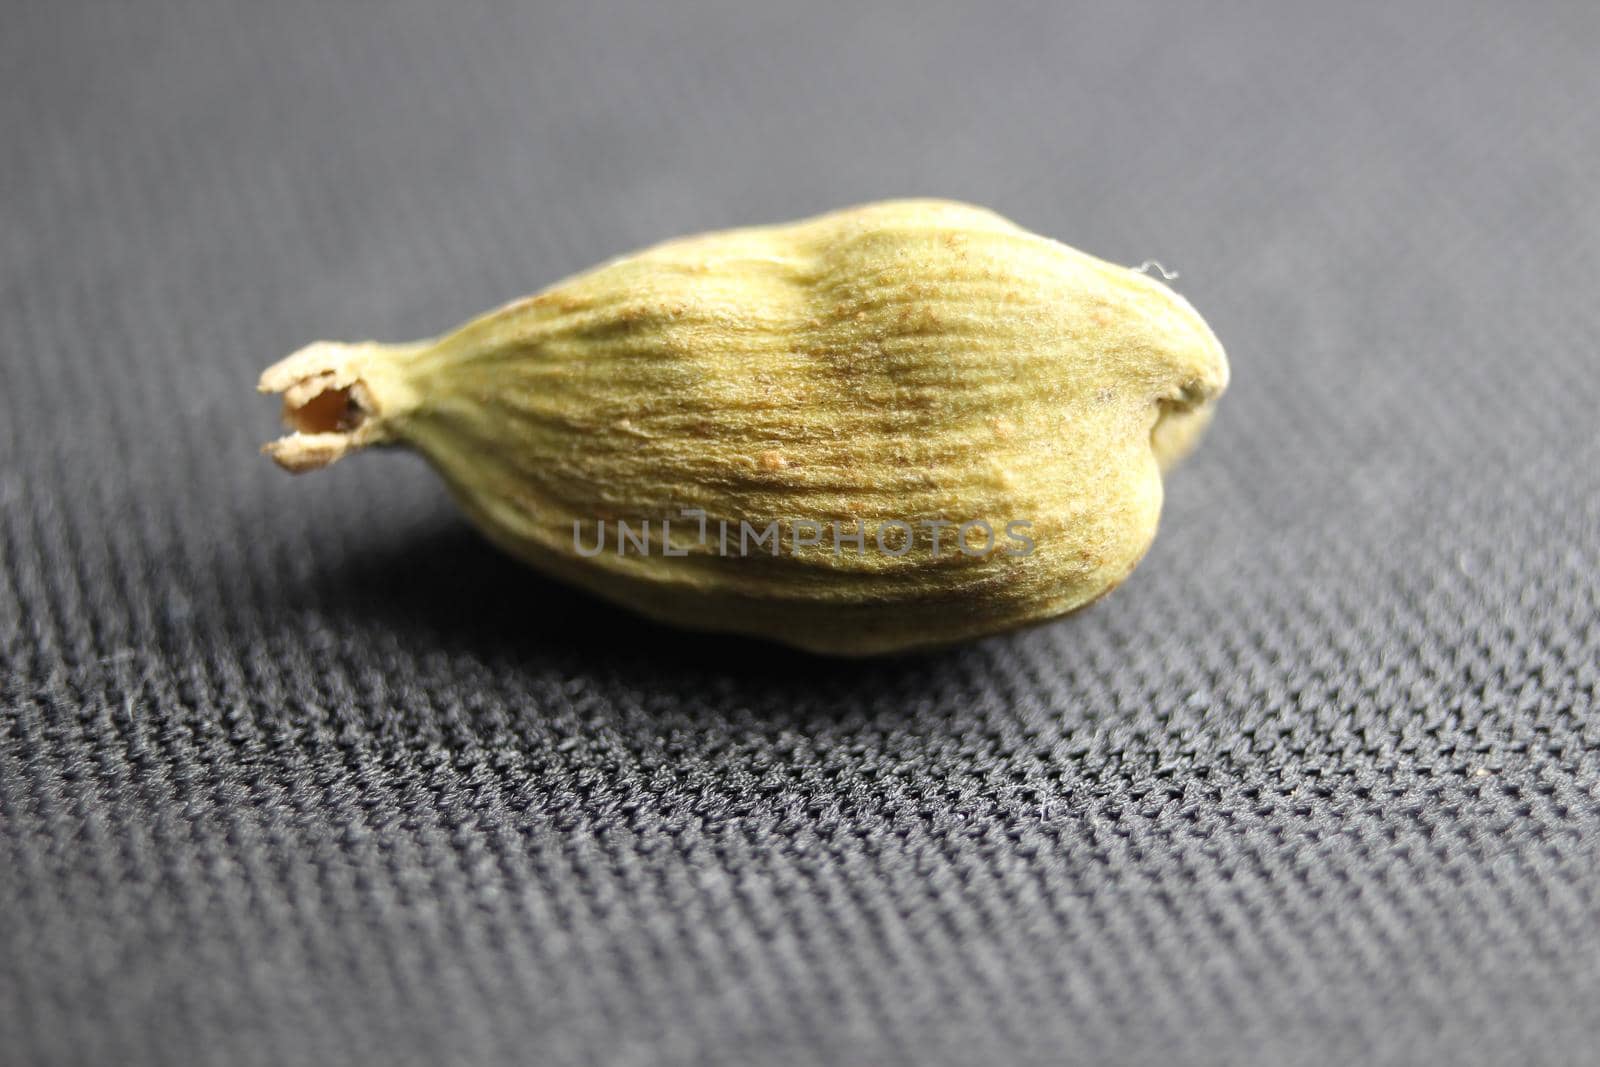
{"x":337,"y":398}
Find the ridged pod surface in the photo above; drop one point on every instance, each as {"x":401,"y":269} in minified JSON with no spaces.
{"x":887,"y":369}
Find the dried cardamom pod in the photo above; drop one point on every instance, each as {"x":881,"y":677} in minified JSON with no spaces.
{"x":899,"y":425}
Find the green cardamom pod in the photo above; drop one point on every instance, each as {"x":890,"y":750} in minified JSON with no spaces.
{"x":895,"y":426}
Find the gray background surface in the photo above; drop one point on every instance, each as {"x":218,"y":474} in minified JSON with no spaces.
{"x":301,"y":771}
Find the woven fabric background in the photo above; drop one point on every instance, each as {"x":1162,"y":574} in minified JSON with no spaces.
{"x":300,"y":771}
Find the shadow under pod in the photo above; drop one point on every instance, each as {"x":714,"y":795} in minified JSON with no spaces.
{"x":446,"y":587}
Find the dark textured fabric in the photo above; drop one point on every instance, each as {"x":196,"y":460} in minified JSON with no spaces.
{"x":299,"y":771}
